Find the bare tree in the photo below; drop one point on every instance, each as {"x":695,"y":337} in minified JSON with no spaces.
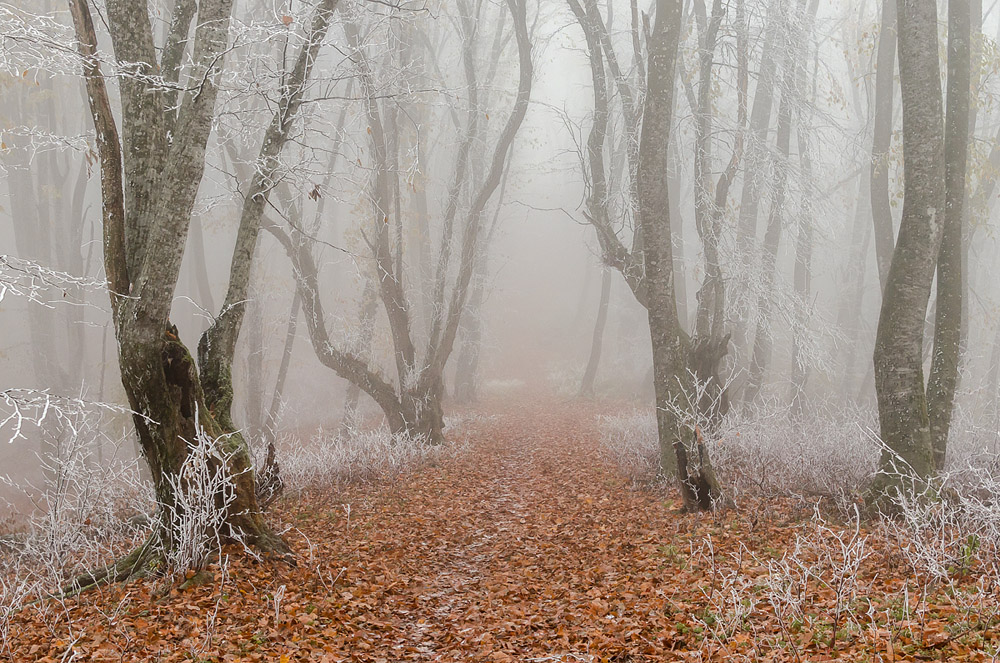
{"x":882,"y":136}
{"x":412,"y":403}
{"x":648,"y":266}
{"x":149,"y":179}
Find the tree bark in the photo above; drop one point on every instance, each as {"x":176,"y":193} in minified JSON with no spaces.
{"x":597,"y":342}
{"x":942,"y":383}
{"x":158,"y":373}
{"x":898,"y":357}
{"x":681,"y":449}
{"x":881,"y":140}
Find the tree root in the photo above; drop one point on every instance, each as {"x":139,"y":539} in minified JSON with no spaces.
{"x":149,"y":560}
{"x":145,"y":560}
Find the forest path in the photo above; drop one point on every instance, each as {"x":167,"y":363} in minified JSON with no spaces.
{"x":525,"y":546}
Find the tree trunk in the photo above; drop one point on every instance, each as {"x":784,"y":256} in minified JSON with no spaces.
{"x":681,"y":448}
{"x":158,"y":373}
{"x":362,"y":347}
{"x":942,"y":382}
{"x":597,"y":342}
{"x":760,"y":122}
{"x":218,"y":344}
{"x":467,"y":364}
{"x":772,"y":237}
{"x":898,"y":356}
{"x":804,"y":240}
{"x":881,"y":141}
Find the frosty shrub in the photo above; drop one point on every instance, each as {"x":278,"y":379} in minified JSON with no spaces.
{"x":760,"y":452}
{"x":765,"y":451}
{"x":354,"y":456}
{"x":630,"y":442}
{"x":203,"y":492}
{"x":90,"y":505}
{"x":950,"y":526}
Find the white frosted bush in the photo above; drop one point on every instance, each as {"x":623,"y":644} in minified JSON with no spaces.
{"x":355,"y":456}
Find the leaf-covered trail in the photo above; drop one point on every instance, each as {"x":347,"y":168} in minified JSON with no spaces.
{"x":524,"y":546}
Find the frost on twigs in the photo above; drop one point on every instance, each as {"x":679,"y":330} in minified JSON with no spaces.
{"x":203,"y":491}
{"x":33,"y":407}
{"x":353,"y":457}
{"x":90,"y":504}
{"x":41,"y":285}
{"x":760,"y":451}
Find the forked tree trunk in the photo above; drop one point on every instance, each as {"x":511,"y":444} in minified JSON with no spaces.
{"x":681,"y":448}
{"x":158,"y":373}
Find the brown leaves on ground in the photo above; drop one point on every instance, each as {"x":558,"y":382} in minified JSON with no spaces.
{"x":525,"y":547}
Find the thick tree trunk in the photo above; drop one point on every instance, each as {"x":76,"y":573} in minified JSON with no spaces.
{"x":942,"y":382}
{"x":681,"y":449}
{"x":898,"y":357}
{"x":158,"y":373}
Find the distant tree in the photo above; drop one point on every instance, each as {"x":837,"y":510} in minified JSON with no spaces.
{"x":412,"y":401}
{"x":885,"y":75}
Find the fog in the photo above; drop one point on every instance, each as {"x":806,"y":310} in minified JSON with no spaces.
{"x":802,"y":286}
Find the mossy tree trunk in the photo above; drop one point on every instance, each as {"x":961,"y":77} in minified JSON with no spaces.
{"x":144,"y":238}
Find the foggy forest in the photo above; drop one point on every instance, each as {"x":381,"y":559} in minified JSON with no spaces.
{"x":499,"y":330}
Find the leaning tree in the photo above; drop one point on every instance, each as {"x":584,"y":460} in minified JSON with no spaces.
{"x":411,"y":400}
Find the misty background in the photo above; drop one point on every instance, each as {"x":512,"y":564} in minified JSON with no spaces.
{"x":543,"y":268}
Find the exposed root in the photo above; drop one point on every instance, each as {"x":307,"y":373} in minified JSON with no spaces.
{"x":144,"y":561}
{"x":149,"y":560}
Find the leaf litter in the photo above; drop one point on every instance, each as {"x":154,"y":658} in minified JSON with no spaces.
{"x":529,"y":545}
